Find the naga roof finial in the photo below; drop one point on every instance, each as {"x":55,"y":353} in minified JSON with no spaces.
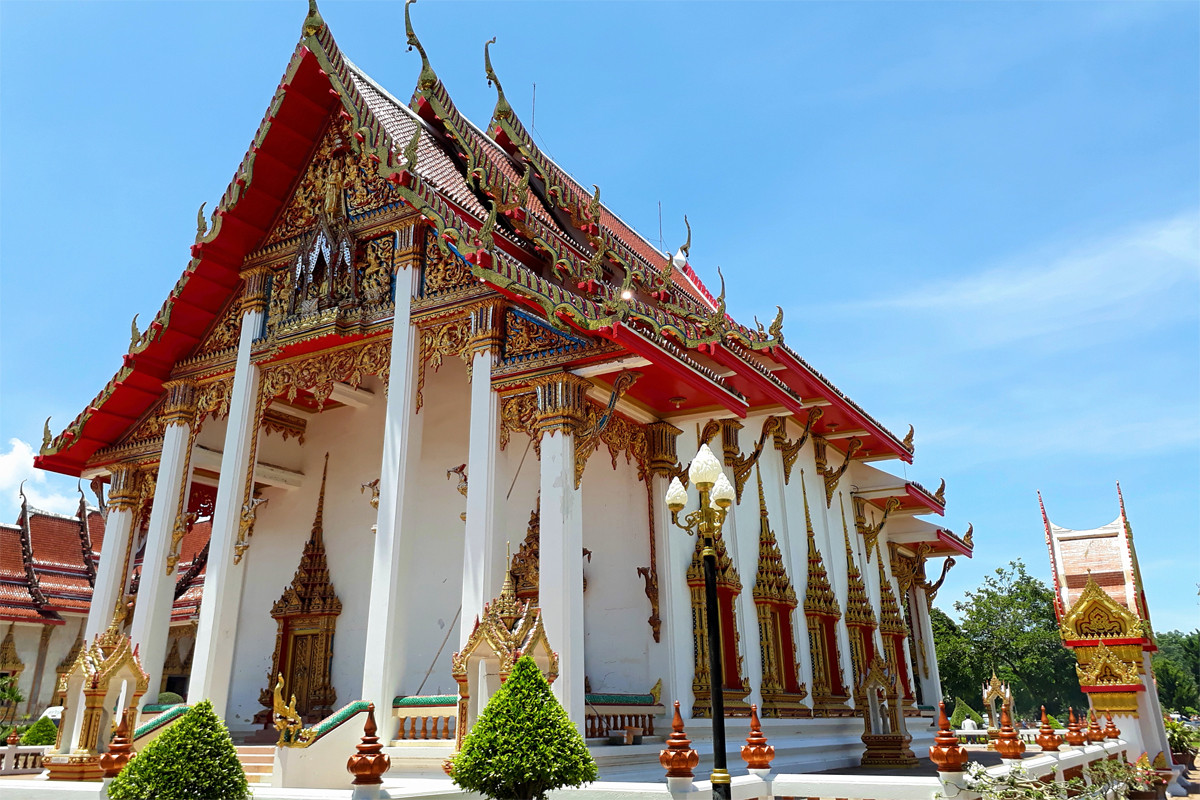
{"x":686,"y":247}
{"x":47,"y":437}
{"x":313,"y":22}
{"x":427,"y":74}
{"x":201,"y":223}
{"x":503,"y":109}
{"x":776,"y":329}
{"x":135,"y":335}
{"x":410,"y":149}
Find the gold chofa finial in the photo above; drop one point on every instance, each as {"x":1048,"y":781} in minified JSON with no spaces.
{"x":686,"y":247}
{"x":135,"y":335}
{"x":503,"y":109}
{"x":47,"y":437}
{"x":412,"y":39}
{"x":313,"y":22}
{"x":201,"y":223}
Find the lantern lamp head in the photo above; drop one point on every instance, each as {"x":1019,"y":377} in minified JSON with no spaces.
{"x":722,"y":492}
{"x":676,"y":496}
{"x":704,"y":469}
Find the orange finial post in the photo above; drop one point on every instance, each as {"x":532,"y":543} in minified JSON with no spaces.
{"x":756,"y":752}
{"x":1009,"y":744}
{"x":679,"y":758}
{"x":13,"y":739}
{"x":1111,"y":731}
{"x":119,"y":750}
{"x":1047,"y":739}
{"x":1075,"y":734}
{"x":369,"y":762}
{"x":1094,"y":734}
{"x":946,"y":754}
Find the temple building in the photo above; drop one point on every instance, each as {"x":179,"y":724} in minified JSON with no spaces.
{"x":413,"y":368}
{"x":1101,"y":608}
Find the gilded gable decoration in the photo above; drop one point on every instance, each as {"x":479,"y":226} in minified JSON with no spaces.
{"x":1105,"y":667}
{"x":445,"y":275}
{"x":10,"y":662}
{"x":524,"y":566}
{"x":1096,"y":615}
{"x":306,"y":614}
{"x":224,"y":334}
{"x":775,"y":602}
{"x":860,"y":617}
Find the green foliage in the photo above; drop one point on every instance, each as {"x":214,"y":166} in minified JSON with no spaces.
{"x":42,"y":732}
{"x":1176,"y":686}
{"x":523,"y":744}
{"x":169,"y":699}
{"x":962,"y":712}
{"x":1180,"y":737}
{"x":193,"y":760}
{"x":1183,"y":649}
{"x":1054,"y":723}
{"x":1008,"y":624}
{"x":961,"y":672}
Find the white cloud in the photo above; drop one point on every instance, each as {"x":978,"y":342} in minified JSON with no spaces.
{"x":45,"y":491}
{"x":1132,"y":277}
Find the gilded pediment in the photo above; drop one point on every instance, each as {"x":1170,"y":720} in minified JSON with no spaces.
{"x":1096,"y":615}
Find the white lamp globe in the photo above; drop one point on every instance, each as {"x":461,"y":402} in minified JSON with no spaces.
{"x":705,"y":468}
{"x":676,"y":495}
{"x":722,"y":492}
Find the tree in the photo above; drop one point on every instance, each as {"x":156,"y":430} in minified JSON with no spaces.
{"x":1010,"y":627}
{"x":10,"y":696}
{"x":961,"y":673}
{"x":1183,"y":649}
{"x":1176,"y":687}
{"x":523,"y":744}
{"x":193,"y":759}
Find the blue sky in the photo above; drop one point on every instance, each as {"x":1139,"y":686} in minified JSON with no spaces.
{"x":980,"y":218}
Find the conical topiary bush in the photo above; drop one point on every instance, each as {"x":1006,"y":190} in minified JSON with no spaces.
{"x":962,"y":711}
{"x":193,"y":760}
{"x":524,"y":744}
{"x":42,"y":732}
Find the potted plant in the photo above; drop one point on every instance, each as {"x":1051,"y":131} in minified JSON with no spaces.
{"x":523,"y":744}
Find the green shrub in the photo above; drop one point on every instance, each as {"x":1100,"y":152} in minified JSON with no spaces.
{"x":1054,"y":723}
{"x":524,"y":744}
{"x":169,"y":699}
{"x":42,"y":732}
{"x":193,"y":759}
{"x":962,"y":711}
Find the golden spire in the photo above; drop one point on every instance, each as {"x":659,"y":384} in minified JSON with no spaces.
{"x":318,"y":526}
{"x":428,"y":76}
{"x":503,"y":109}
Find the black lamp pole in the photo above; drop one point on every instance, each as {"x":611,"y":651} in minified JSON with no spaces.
{"x":720,"y":775}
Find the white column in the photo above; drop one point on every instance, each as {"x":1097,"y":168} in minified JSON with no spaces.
{"x":560,"y":557}
{"x":212,"y":662}
{"x":118,"y":527}
{"x":672,"y":661}
{"x":480,"y":572}
{"x":383,"y":658}
{"x":156,"y":586}
{"x":931,"y":686}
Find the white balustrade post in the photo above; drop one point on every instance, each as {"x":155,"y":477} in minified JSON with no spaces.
{"x":156,"y":586}
{"x":383,"y":658}
{"x":479,"y":570}
{"x":560,"y":556}
{"x":225,"y":573}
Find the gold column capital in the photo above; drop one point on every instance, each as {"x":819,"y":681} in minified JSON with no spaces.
{"x":180,"y":407}
{"x":122,"y":487}
{"x":560,"y":402}
{"x":255,"y":296}
{"x":663,"y":457}
{"x":487,"y":320}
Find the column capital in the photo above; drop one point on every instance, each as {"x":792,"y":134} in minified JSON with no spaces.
{"x":254,"y":297}
{"x":486,"y":328}
{"x":560,"y":402}
{"x":180,"y":408}
{"x":663,"y":457}
{"x":122,"y":487}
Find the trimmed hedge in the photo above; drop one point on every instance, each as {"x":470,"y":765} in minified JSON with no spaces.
{"x":169,"y":699}
{"x":962,"y":711}
{"x":194,"y":759}
{"x":524,"y":744}
{"x":41,"y":733}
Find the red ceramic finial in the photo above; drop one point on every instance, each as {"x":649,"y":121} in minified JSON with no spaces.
{"x":1094,"y":734}
{"x":679,"y":758}
{"x":369,"y":762}
{"x":1111,"y":731}
{"x":756,"y":752}
{"x":946,"y":754}
{"x":1075,"y":734}
{"x":1047,"y":739}
{"x":1009,"y":744}
{"x":119,"y":750}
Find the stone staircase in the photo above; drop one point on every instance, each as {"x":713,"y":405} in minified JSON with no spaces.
{"x":258,"y":763}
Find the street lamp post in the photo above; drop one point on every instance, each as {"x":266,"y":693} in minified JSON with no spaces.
{"x":716,"y":496}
